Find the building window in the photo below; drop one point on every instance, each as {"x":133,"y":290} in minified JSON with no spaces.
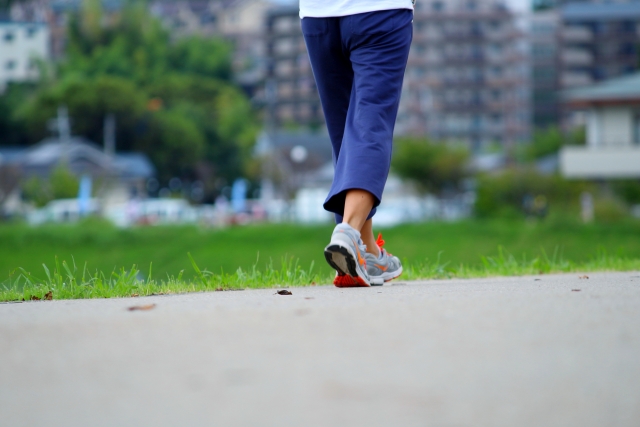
{"x":31,"y":32}
{"x":10,"y":65}
{"x":636,"y":128}
{"x":8,"y":37}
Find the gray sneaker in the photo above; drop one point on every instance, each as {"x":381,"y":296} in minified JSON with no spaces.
{"x":346,"y":253}
{"x":384,"y":268}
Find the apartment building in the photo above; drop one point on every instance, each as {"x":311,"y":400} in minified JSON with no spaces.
{"x":545,"y":48}
{"x":21,"y":45}
{"x":291,"y":95}
{"x":466,"y":77}
{"x":599,"y":42}
{"x":577,"y":45}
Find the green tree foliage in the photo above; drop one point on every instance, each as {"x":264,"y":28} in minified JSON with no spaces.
{"x":89,"y":100}
{"x":13,"y":131}
{"x":504,"y":194}
{"x":549,"y":141}
{"x":172,"y":99}
{"x":34,"y":190}
{"x":628,"y":190}
{"x":431,"y":166}
{"x":610,"y":210}
{"x":61,"y":184}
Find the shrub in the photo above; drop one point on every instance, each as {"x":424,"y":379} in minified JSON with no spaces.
{"x":505,"y":194}
{"x":609,"y":210}
{"x":549,"y":141}
{"x":62,"y":184}
{"x":433,"y":167}
{"x":627,"y":190}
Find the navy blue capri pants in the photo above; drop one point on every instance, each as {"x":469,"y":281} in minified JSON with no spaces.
{"x":358,"y":62}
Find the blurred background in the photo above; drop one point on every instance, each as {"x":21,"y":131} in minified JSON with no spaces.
{"x":121,"y":115}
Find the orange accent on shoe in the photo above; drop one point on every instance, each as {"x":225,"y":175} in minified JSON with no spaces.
{"x":382,"y":267}
{"x":380,"y":242}
{"x":346,"y":281}
{"x":343,"y":281}
{"x":361,"y":260}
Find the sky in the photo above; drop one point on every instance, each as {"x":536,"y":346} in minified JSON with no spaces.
{"x":519,"y":5}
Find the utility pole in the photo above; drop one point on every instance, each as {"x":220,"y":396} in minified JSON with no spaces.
{"x":64,"y":132}
{"x":110,"y":135}
{"x":64,"y":128}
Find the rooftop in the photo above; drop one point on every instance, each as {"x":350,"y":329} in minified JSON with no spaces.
{"x":622,"y":89}
{"x":51,"y":151}
{"x":601,"y":11}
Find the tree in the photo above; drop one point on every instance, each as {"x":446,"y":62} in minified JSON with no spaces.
{"x":549,"y":141}
{"x":505,"y":194}
{"x":61,"y":184}
{"x":432,"y":167}
{"x":13,"y":130}
{"x":173,"y":99}
{"x":89,"y":100}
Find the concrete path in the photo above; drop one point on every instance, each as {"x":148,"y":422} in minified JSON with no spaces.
{"x":529,"y":351}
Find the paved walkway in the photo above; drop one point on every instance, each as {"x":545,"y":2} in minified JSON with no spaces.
{"x":531,"y":351}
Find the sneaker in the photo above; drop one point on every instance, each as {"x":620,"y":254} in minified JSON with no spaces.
{"x":346,"y":254}
{"x":384,"y":268}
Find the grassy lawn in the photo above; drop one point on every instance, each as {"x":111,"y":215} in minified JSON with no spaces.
{"x":142,"y":261}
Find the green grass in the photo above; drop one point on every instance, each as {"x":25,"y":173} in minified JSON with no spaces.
{"x":95,"y":260}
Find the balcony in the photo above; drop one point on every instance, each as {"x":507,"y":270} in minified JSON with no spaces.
{"x":504,"y":82}
{"x":577,"y":35}
{"x":575,"y":79}
{"x":577,"y":57}
{"x":600,"y":163}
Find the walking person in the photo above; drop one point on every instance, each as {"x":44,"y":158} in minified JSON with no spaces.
{"x":358,"y":51}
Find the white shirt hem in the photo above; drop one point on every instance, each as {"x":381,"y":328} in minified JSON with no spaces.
{"x":350,"y":11}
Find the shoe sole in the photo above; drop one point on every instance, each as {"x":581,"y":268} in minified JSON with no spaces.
{"x":346,"y":281}
{"x":387,"y":277}
{"x":341,"y":260}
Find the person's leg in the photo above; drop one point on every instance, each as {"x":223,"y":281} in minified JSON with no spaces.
{"x":357,"y":206}
{"x":369,"y":239}
{"x":374,"y":50}
{"x":332,"y":73}
{"x":378,"y":44}
{"x":334,"y":78}
{"x":379,"y":47}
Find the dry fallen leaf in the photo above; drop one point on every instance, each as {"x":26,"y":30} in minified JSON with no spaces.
{"x":135,"y":295}
{"x":284,"y":292}
{"x":142,"y":307}
{"x":35,"y":298}
{"x":48,"y":296}
{"x":575,"y":290}
{"x":584,"y":277}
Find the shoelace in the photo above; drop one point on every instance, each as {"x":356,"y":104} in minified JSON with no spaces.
{"x":380,"y":242}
